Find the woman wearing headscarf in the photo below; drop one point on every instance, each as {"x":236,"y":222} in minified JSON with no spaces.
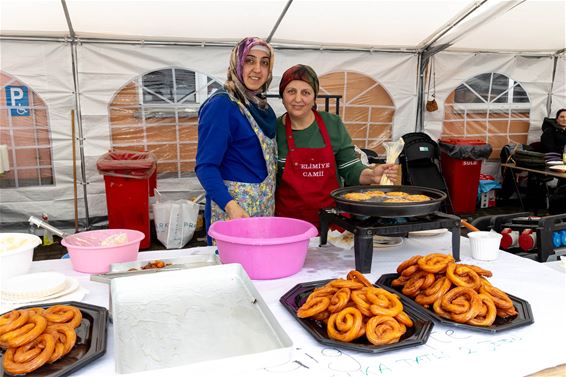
{"x":315,"y":152}
{"x":553,"y":136}
{"x":235,"y":160}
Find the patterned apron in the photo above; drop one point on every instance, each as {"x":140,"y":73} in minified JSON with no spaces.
{"x":257,"y":199}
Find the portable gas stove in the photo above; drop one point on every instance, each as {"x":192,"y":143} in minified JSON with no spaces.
{"x":365,"y":227}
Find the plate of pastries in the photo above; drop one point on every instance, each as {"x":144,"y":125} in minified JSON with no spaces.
{"x":458,"y":294}
{"x":52,"y":339}
{"x":352,"y":313}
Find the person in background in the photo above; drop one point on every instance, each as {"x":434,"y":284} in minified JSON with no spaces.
{"x":235,"y":161}
{"x":315,"y":152}
{"x":553,"y":138}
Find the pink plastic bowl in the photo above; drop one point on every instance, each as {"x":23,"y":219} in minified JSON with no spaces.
{"x":97,"y":259}
{"x":267,"y":247}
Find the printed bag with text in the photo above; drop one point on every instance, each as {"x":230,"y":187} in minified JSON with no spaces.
{"x":175,"y":222}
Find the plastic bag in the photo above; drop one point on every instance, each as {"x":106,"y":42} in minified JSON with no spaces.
{"x":175,"y":222}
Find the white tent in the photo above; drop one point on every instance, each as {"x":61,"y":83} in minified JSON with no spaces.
{"x":78,"y":55}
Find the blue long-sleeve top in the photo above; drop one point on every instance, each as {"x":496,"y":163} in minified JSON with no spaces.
{"x":228,"y":149}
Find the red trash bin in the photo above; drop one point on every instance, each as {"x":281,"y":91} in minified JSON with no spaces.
{"x":462,"y":175}
{"x":129,"y":179}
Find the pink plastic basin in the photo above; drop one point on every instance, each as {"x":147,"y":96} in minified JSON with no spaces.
{"x":97,"y":259}
{"x":267,"y":247}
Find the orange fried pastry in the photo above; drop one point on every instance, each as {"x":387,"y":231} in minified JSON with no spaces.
{"x":357,"y":196}
{"x":42,"y":348}
{"x":384,"y":330}
{"x":345,"y":325}
{"x":417,"y":198}
{"x":397,"y":193}
{"x":64,"y":314}
{"x":374,"y":193}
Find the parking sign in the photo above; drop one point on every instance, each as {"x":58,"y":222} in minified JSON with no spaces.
{"x":17,"y":100}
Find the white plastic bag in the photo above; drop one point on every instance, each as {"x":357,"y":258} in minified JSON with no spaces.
{"x":175,"y":222}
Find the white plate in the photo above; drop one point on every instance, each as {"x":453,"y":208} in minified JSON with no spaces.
{"x":71,"y":285}
{"x":555,"y":162}
{"x":428,"y":233}
{"x":381,"y":241}
{"x":559,"y":168}
{"x":33,"y":286}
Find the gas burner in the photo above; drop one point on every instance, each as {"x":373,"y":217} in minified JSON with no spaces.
{"x":365,"y":227}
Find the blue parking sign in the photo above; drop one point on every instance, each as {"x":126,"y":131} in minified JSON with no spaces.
{"x":17,"y":100}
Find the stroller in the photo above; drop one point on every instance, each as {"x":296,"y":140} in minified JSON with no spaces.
{"x":420,"y":161}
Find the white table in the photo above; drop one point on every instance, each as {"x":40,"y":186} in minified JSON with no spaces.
{"x":516,"y":352}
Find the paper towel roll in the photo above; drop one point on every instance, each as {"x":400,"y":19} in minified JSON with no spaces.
{"x":4,"y":160}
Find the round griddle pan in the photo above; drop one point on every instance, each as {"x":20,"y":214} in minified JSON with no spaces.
{"x":375,"y":206}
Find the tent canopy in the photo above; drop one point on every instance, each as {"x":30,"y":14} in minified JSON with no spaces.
{"x":487,"y":25}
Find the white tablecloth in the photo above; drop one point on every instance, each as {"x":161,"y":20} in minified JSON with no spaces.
{"x":449,"y":351}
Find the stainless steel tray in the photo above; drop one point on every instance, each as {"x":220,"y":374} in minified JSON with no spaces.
{"x":190,"y":316}
{"x":179,"y":263}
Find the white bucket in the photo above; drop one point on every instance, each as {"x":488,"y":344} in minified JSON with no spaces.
{"x":484,"y":245}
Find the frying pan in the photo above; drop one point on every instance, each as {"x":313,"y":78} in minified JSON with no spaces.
{"x":375,"y":206}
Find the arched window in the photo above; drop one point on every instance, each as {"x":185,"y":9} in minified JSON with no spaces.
{"x":366,"y":108}
{"x":24,"y":128}
{"x":491,"y":107}
{"x":157,"y":112}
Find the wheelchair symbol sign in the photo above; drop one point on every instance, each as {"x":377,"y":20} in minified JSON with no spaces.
{"x":17,"y":100}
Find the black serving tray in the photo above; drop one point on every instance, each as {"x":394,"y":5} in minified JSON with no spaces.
{"x":415,"y":336}
{"x":90,"y":345}
{"x":523,"y":318}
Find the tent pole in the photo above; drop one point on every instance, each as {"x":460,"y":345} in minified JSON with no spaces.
{"x":80,"y":128}
{"x":419,"y":124}
{"x":283,"y":12}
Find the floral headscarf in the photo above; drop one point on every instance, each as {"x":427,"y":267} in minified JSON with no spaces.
{"x":235,"y":82}
{"x":299,"y":72}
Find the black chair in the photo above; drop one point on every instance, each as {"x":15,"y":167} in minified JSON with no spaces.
{"x":420,"y":161}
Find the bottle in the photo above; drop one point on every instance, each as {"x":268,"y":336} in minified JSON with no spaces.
{"x":510,"y":238}
{"x":564,"y":156}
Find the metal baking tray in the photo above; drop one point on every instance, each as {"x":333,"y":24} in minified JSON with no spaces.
{"x":190,"y":316}
{"x":415,"y":336}
{"x":523,"y":318}
{"x":134,"y":268}
{"x":90,"y":344}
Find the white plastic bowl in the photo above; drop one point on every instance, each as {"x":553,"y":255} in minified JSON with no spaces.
{"x":16,"y":253}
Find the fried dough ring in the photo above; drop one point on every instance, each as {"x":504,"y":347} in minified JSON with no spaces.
{"x":358,"y":277}
{"x":45,"y":342}
{"x":383,"y":330}
{"x":339,"y":300}
{"x":417,"y":198}
{"x":434,"y":292}
{"x":408,"y":263}
{"x":480,"y":271}
{"x":383,"y":302}
{"x":313,"y":307}
{"x":65,"y":339}
{"x":35,"y":311}
{"x":404,"y":319}
{"x":359,"y":297}
{"x":487,"y":318}
{"x":463,"y":304}
{"x":420,"y":280}
{"x":13,"y":320}
{"x":409,"y":271}
{"x":345,"y":325}
{"x":325,"y":291}
{"x":64,"y":314}
{"x":500,"y":298}
{"x":25,"y":334}
{"x":435,"y":263}
{"x":342,"y":283}
{"x":463,"y":276}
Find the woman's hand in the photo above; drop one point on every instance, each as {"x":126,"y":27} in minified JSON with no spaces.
{"x":234,"y":210}
{"x":373,"y":176}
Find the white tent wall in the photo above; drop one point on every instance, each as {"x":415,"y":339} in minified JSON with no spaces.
{"x":47,"y":70}
{"x":534,"y":73}
{"x":559,"y":87}
{"x":106,"y":68}
{"x":103,"y":70}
